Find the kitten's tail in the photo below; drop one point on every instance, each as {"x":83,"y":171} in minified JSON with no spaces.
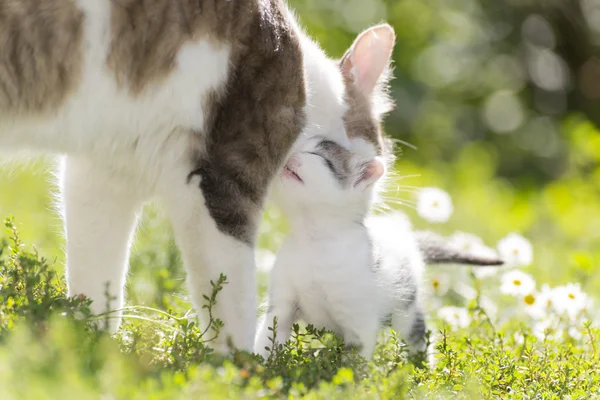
{"x":437,"y":249}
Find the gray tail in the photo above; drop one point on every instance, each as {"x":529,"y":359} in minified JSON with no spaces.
{"x":437,"y":249}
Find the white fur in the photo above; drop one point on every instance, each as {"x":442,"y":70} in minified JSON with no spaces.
{"x":326,"y":105}
{"x":122,"y":150}
{"x":324,"y":270}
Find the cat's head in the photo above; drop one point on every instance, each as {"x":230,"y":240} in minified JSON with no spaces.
{"x":347,"y":98}
{"x":324,"y":177}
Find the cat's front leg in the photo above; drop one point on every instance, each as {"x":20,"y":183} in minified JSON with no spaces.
{"x":284,"y":315}
{"x":282,"y":306}
{"x":100,"y":213}
{"x":208,"y":251}
{"x":360,"y":331}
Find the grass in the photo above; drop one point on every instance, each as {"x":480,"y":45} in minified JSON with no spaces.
{"x":45,"y":352}
{"x":497,"y":351}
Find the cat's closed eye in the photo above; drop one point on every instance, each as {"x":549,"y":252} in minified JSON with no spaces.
{"x":327,"y":162}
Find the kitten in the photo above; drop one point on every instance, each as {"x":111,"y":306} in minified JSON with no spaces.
{"x":340,"y":268}
{"x":194,"y":102}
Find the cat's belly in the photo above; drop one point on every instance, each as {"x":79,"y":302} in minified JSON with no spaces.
{"x":104,"y":116}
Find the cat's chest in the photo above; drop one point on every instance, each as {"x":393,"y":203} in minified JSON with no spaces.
{"x":322,"y":260}
{"x":327,"y":271}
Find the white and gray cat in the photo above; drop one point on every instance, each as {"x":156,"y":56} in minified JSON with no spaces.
{"x":194,"y":102}
{"x":341,"y":268}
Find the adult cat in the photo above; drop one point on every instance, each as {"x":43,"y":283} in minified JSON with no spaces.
{"x":197,"y":103}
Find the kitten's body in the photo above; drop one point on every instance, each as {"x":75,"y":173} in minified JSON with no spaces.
{"x":340,"y":268}
{"x":341,"y":282}
{"x":196,"y":103}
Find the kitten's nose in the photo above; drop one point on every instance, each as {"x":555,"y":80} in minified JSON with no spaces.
{"x":294,"y":162}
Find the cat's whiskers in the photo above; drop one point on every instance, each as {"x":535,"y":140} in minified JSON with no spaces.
{"x":396,"y":141}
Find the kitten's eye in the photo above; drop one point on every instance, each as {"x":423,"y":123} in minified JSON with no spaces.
{"x":328,"y":162}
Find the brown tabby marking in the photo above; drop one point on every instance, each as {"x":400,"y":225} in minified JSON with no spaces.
{"x":256,"y":119}
{"x":340,"y":159}
{"x":148,"y":34}
{"x":359,"y":119}
{"x":41,"y":54}
{"x":251,"y":124}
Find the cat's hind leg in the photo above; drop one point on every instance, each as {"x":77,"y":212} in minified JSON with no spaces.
{"x":99,"y":209}
{"x":409,"y":321}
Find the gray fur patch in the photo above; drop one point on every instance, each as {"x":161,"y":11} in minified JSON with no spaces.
{"x":353,"y":346}
{"x":436,"y":249}
{"x":41,"y":57}
{"x":410,"y":297}
{"x":376,"y":263}
{"x":337,"y":159}
{"x":387,"y":320}
{"x":418,"y":329}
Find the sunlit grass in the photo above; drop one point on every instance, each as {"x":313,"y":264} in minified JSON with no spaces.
{"x":489,"y":344}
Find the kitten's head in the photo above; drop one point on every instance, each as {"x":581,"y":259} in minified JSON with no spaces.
{"x":341,"y":156}
{"x":323,"y":176}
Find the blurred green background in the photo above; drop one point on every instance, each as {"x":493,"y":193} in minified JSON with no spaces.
{"x":500,"y":99}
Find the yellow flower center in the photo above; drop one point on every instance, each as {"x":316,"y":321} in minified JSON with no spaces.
{"x":436,"y":204}
{"x":517,"y":282}
{"x":515,"y":251}
{"x":571,"y":296}
{"x":529,"y":299}
{"x":436,"y":284}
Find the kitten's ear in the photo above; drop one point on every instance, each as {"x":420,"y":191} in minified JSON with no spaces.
{"x":369,"y":57}
{"x":372,"y":173}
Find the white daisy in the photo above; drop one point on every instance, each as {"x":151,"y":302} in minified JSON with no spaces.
{"x":465,"y":290}
{"x":517,"y":283}
{"x":547,"y":329}
{"x":547,"y":297}
{"x":464,"y":241}
{"x":457,"y":317}
{"x":439,"y":283}
{"x":575,"y":333}
{"x":519,"y":338}
{"x":570,"y":300}
{"x":588,"y":306}
{"x":489,"y":306}
{"x":515,"y":250}
{"x":485,"y":272}
{"x":535,"y":305}
{"x":434,"y":205}
{"x":265,"y":260}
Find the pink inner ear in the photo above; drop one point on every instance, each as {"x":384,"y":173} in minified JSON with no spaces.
{"x":373,"y":172}
{"x":369,"y":57}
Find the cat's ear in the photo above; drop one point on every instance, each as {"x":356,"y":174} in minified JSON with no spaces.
{"x":372,"y":172}
{"x":367,"y":62}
